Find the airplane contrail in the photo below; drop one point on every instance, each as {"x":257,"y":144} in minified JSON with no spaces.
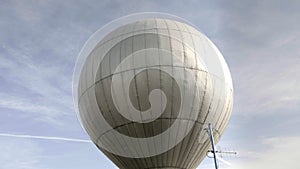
{"x":69,"y":139}
{"x":45,"y":138}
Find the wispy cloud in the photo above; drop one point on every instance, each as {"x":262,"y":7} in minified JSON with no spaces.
{"x":224,"y":161}
{"x":22,"y":105}
{"x":279,"y":152}
{"x":19,"y":154}
{"x":263,"y":55}
{"x":222,"y":164}
{"x":34,"y":88}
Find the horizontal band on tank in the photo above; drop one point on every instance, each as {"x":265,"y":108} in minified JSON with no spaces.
{"x":195,"y":121}
{"x":155,"y":66}
{"x":142,"y":32}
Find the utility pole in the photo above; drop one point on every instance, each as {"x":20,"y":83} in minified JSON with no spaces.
{"x":212,"y":144}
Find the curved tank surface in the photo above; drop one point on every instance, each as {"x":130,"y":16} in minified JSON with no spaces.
{"x":148,"y":89}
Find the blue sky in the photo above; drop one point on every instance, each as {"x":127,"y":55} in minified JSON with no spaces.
{"x":40,"y":40}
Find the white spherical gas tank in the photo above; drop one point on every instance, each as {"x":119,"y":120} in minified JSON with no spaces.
{"x":148,"y":89}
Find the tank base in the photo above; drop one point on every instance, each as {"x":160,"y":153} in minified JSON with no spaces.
{"x":168,"y":168}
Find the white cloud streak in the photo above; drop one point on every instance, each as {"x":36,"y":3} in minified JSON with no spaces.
{"x":279,"y":152}
{"x":25,"y":106}
{"x":19,"y":154}
{"x":224,"y":161}
{"x":34,"y":88}
{"x":209,"y":164}
{"x":45,"y":138}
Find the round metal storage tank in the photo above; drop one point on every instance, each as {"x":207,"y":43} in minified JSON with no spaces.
{"x":147,"y":91}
